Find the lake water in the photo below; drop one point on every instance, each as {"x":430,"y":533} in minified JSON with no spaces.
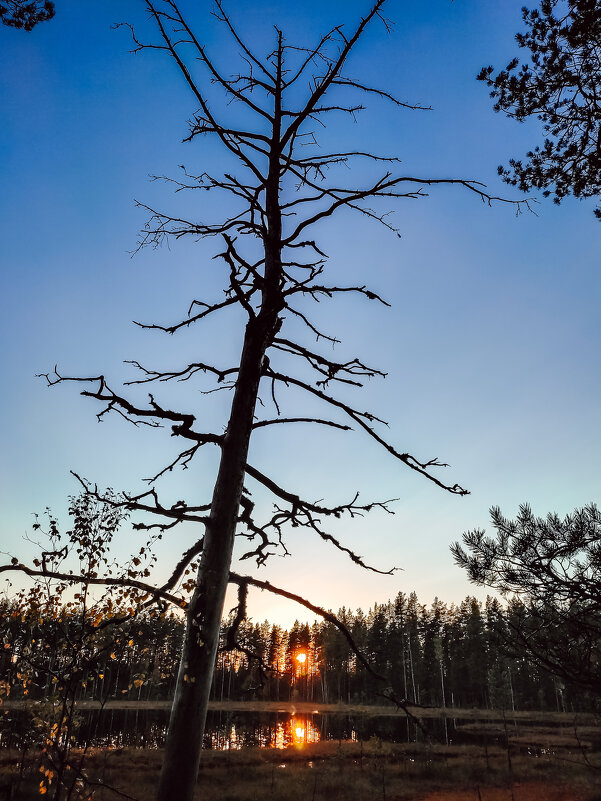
{"x":147,"y":728}
{"x":237,"y":729}
{"x":144,"y":728}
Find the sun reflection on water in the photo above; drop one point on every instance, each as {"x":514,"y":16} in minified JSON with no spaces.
{"x":301,"y":730}
{"x":297,"y":731}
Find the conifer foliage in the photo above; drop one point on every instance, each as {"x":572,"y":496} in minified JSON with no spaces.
{"x":551,"y":569}
{"x":561,"y":88}
{"x":17,"y":14}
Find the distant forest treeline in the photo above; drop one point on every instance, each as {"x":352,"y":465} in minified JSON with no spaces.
{"x":436,"y":656}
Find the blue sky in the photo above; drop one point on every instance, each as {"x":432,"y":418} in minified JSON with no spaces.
{"x":491,"y":344}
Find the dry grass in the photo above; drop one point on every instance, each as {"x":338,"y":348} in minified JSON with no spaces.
{"x":345,"y":771}
{"x":529,"y":791}
{"x":569,"y":736}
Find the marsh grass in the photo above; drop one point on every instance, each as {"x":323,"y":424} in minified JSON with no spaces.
{"x":342,"y":771}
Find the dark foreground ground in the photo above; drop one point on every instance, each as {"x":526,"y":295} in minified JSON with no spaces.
{"x":347,"y":771}
{"x":539,"y":761}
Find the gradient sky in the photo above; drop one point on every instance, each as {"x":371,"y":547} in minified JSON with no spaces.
{"x":491,"y":344}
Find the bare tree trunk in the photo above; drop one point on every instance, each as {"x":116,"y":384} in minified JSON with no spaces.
{"x":201,"y":639}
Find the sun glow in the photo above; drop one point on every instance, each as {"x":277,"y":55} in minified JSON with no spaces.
{"x":302,"y":658}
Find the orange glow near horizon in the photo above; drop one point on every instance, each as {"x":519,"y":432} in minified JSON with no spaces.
{"x":302,"y":658}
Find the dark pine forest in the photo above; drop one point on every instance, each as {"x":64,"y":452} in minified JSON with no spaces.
{"x":440,"y":655}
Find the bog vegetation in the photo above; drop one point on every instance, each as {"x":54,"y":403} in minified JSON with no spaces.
{"x":58,"y":660}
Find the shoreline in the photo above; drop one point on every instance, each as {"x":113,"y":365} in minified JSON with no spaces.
{"x":307,"y":708}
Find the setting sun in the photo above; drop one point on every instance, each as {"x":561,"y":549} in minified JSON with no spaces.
{"x":301,"y":658}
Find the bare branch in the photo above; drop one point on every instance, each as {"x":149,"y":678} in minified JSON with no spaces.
{"x":102,"y":581}
{"x":312,"y":55}
{"x":388,"y":187}
{"x":180,"y":512}
{"x":227,"y":85}
{"x":332,"y":73}
{"x":191,"y":83}
{"x":178,"y":571}
{"x":179,"y":375}
{"x":303,"y":513}
{"x":207,"y":309}
{"x":316,"y":420}
{"x":370,"y":90}
{"x":333,"y":371}
{"x":224,"y":18}
{"x":182,"y":422}
{"x":360,"y":418}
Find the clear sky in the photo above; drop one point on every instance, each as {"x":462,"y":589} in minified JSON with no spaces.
{"x":491,"y":343}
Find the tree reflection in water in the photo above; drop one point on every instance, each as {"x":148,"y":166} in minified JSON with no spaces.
{"x":119,"y":728}
{"x":231,"y":730}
